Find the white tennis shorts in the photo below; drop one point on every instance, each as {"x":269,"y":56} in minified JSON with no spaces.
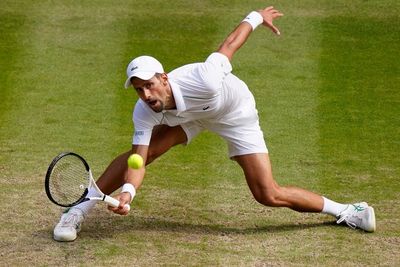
{"x":240,"y":128}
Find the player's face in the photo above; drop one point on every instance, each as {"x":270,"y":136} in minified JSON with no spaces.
{"x":156,"y":92}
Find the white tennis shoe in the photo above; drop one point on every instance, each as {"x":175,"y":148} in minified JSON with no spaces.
{"x":358,"y":215}
{"x":69,"y":225}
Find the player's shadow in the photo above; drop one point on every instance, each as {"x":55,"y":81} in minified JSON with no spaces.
{"x":107,"y":227}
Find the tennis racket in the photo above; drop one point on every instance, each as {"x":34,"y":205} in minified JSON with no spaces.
{"x":68,"y":180}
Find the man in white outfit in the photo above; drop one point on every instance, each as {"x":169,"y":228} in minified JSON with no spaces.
{"x":174,"y":108}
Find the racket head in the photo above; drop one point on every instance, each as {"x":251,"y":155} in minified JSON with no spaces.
{"x":67,"y":179}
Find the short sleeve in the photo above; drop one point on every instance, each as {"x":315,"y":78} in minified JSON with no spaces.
{"x":144,"y":123}
{"x":221,"y":62}
{"x":213,"y":71}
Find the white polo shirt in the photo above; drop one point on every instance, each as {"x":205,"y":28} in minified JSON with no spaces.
{"x":207,"y":96}
{"x":198,"y":92}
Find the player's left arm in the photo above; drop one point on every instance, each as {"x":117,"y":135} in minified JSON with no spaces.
{"x":240,"y":34}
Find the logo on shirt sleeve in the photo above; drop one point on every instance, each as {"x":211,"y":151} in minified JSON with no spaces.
{"x":139,"y":133}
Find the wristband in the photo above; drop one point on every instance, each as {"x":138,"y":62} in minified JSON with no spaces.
{"x":254,"y":19}
{"x":130,"y":189}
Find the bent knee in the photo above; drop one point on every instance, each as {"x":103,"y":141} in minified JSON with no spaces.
{"x":269,"y":197}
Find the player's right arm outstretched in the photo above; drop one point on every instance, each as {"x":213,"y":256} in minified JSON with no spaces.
{"x":239,"y":36}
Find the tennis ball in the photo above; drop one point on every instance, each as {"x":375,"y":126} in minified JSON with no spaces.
{"x":135,"y":161}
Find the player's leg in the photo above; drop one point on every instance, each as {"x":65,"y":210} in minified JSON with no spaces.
{"x":258,"y":173}
{"x":163,"y":138}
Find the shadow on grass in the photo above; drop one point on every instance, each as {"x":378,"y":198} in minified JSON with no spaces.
{"x":98,"y":229}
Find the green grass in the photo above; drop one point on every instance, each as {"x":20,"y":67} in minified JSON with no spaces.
{"x":359,"y":104}
{"x":328,"y":98}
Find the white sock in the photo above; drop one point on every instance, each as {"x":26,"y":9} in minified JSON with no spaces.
{"x":87,"y":206}
{"x":333,"y":208}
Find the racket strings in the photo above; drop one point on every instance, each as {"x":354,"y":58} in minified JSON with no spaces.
{"x":69,"y":181}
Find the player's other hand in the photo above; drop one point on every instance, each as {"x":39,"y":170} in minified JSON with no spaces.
{"x":269,"y":14}
{"x":123,"y":198}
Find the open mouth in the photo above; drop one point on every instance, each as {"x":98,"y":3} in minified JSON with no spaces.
{"x":152,"y":102}
{"x":155,"y":105}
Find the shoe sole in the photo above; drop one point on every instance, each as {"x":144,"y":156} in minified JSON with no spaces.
{"x":64,"y":238}
{"x":371,"y":220}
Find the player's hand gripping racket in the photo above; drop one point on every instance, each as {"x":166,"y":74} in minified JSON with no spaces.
{"x":68,"y":180}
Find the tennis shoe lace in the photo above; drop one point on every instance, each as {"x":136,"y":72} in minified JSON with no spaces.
{"x":72,"y":218}
{"x":351,"y":220}
{"x":358,"y":215}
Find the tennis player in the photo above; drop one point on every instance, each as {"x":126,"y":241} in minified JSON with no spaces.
{"x":174,"y":108}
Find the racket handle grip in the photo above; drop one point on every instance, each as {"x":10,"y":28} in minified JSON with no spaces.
{"x":111,"y":201}
{"x":115,"y":203}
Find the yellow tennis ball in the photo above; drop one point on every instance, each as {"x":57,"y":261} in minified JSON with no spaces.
{"x":135,"y":161}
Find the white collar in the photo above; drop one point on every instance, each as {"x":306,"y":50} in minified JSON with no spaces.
{"x":177,"y":93}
